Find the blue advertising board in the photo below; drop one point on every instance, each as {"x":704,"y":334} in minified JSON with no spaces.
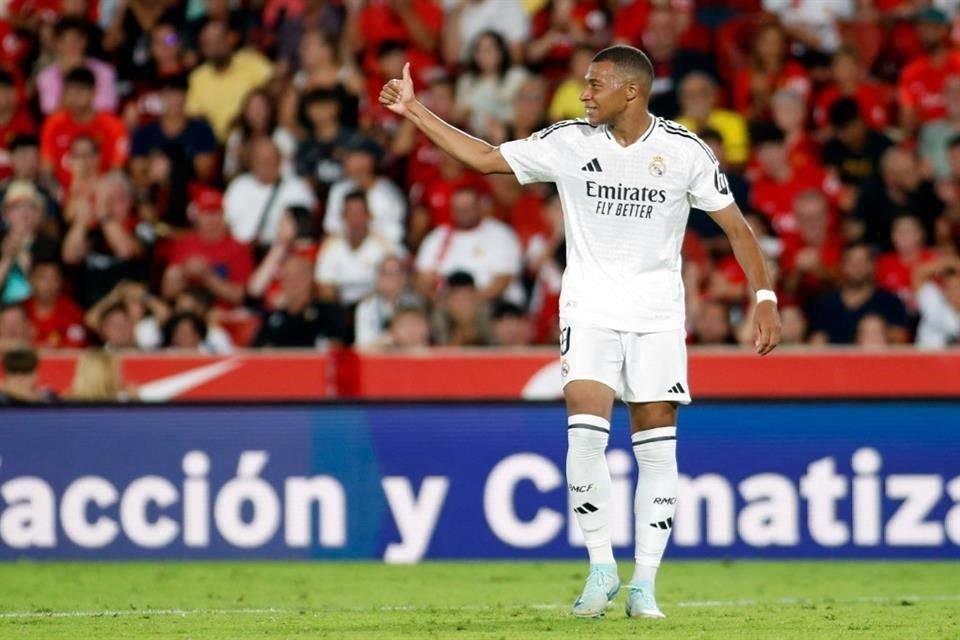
{"x":406,"y":482}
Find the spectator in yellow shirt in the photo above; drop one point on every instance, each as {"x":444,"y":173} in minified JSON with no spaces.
{"x":698,"y":110}
{"x":218,"y":86}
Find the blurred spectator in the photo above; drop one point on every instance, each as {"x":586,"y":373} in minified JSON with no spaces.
{"x":483,"y":247}
{"x":191,"y":137}
{"x":320,"y":151}
{"x":789,"y":111}
{"x":386,"y":202}
{"x":296,"y":235}
{"x":461,"y":317}
{"x":558,"y":29}
{"x":233,"y":15}
{"x":255,"y":201}
{"x":19,"y":384}
{"x":128,"y":36}
{"x":895,"y":268}
{"x":699,"y":110}
{"x":15,"y":121}
{"x":409,"y":328}
{"x":101,"y":241}
{"x":768,"y":69}
{"x":71,"y":54}
{"x":25,"y":167}
{"x":898,"y":190}
{"x":565,"y":104}
{"x":511,"y":326}
{"x":322,"y":70}
{"x":812,"y":24}
{"x":848,"y":80}
{"x":920,"y":89}
{"x":128,"y":317}
{"x":873,"y":333}
{"x":375,"y":312}
{"x":487,"y":90}
{"x":199,"y":301}
{"x":939,"y":303}
{"x":948,"y":225}
{"x":98,"y":379}
{"x":711,"y":326}
{"x":935,"y":136}
{"x":347,"y":264}
{"x":529,"y":113}
{"x":375,"y":119}
{"x":83,"y":160}
{"x":208,"y":257}
{"x":21,"y":242}
{"x":219,"y":86}
{"x":811,"y":257}
{"x":299,"y":21}
{"x":301,"y":320}
{"x":415,"y":24}
{"x":145,"y":102}
{"x":834,"y":318}
{"x":467,"y":19}
{"x":57,"y":320}
{"x":185,"y":331}
{"x":15,"y":328}
{"x":257,"y":118}
{"x":853,"y":152}
{"x":778,"y":183}
{"x":78,"y":118}
{"x":435,"y":201}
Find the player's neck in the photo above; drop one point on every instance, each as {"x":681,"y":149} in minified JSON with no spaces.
{"x":629,"y":128}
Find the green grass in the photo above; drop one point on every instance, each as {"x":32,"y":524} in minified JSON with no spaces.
{"x":472,"y":600}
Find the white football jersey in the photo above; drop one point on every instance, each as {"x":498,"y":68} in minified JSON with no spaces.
{"x":625,"y":211}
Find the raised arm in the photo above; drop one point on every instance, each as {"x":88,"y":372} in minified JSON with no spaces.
{"x":748,"y":254}
{"x":399,"y":97}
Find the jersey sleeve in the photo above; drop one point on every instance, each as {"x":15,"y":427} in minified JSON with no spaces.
{"x":534,"y":159}
{"x":709,"y":189}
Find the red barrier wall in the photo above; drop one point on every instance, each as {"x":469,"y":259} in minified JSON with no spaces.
{"x":534,"y":374}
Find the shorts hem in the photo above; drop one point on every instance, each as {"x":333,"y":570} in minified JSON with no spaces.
{"x":588,"y":378}
{"x":679,"y":400}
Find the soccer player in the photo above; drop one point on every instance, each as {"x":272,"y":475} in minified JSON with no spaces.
{"x":627,"y":180}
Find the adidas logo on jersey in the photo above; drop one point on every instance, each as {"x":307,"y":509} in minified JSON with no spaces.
{"x":593,"y":166}
{"x":677,"y":388}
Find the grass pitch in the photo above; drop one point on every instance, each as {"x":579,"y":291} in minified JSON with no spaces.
{"x":472,"y":600}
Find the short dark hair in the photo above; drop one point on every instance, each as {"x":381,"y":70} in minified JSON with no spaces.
{"x":24,"y":140}
{"x":628,"y":60}
{"x":461,"y":279}
{"x":65,"y":25}
{"x":709,"y":133}
{"x":504,"y":309}
{"x":20,"y":361}
{"x":356,"y":194}
{"x":199,"y":325}
{"x":844,"y":112}
{"x":202,"y":295}
{"x":766,"y":132}
{"x":80,"y":76}
{"x":114,"y":308}
{"x":953,"y":141}
{"x":176,"y":81}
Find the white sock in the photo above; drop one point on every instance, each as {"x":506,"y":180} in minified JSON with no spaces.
{"x":588,"y":482}
{"x":656,"y":497}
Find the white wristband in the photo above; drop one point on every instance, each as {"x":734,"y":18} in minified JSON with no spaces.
{"x":766,"y":294}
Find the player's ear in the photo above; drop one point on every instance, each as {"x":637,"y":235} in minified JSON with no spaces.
{"x":632,"y":87}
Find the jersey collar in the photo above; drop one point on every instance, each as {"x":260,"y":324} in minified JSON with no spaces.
{"x":646,"y":134}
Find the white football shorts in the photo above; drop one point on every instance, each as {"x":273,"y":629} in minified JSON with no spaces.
{"x":642,"y":367}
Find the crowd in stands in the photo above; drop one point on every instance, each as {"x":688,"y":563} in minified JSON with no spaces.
{"x":209,"y":175}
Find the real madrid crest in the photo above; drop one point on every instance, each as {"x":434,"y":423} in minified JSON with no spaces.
{"x":658,"y":167}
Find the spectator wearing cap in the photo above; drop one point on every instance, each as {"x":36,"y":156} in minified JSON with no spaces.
{"x":208,"y":257}
{"x":936,"y":136}
{"x":347,"y":264}
{"x":192,"y":137}
{"x":848,"y":80}
{"x":387,"y":204}
{"x":834,"y":317}
{"x":699,"y":110}
{"x":511,"y":326}
{"x":25,"y":167}
{"x":101,"y":240}
{"x":920,"y":92}
{"x":255,"y":201}
{"x":218,"y":86}
{"x":777,"y":183}
{"x":487,"y":91}
{"x":461,"y":317}
{"x":15,"y":328}
{"x":374,"y":313}
{"x":70,"y":53}
{"x":15,"y":121}
{"x":78,"y":117}
{"x":853,"y":152}
{"x":485,"y":248}
{"x":21,"y":241}
{"x":938,"y":300}
{"x":301,"y":320}
{"x":467,"y":19}
{"x":56,"y":318}
{"x":19,"y":384}
{"x":320,"y":152}
{"x":898,"y":189}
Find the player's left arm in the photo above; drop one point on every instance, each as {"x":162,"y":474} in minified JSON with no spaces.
{"x":747,"y":251}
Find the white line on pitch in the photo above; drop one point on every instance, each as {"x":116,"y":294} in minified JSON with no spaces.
{"x":107,"y":613}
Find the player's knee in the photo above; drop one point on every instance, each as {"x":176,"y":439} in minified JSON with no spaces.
{"x":651,"y":415}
